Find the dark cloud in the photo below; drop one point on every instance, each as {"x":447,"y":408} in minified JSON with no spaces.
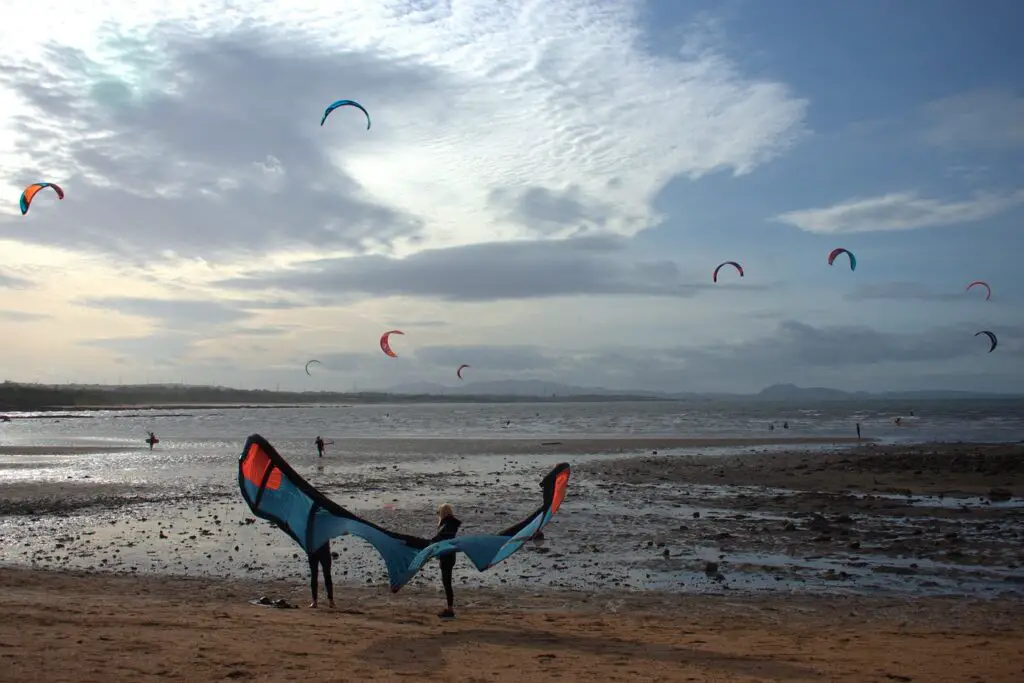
{"x":265,"y":304}
{"x":540,"y":208}
{"x":265,"y":331}
{"x":901,"y":291}
{"x":491,"y":358}
{"x":227,"y":156}
{"x":173,"y":313}
{"x":23,"y":316}
{"x":797,"y":344}
{"x":339,"y":362}
{"x":14,"y":282}
{"x":485,"y":272}
{"x":165,"y":350}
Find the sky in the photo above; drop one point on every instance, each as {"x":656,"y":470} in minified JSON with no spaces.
{"x":543,"y":193}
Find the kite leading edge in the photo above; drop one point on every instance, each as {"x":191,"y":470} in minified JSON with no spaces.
{"x":277,"y":493}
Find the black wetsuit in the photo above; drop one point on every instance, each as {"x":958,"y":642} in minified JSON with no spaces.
{"x":320,"y":446}
{"x":321,"y":557}
{"x":448,"y":527}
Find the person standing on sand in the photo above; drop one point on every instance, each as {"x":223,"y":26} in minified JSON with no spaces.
{"x":447,"y":526}
{"x":317,"y":559}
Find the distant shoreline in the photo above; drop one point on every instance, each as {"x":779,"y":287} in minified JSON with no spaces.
{"x":16,"y":397}
{"x":570,"y":445}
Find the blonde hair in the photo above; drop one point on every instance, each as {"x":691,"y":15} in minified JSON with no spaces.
{"x":445,"y":510}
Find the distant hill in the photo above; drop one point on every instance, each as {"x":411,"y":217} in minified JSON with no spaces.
{"x":776,"y":392}
{"x":791,"y":392}
{"x":27,"y":397}
{"x":526,"y":387}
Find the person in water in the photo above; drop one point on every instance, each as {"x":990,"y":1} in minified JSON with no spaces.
{"x":317,"y":559}
{"x":447,"y":526}
{"x":319,"y":445}
{"x":151,"y":440}
{"x":858,"y":431}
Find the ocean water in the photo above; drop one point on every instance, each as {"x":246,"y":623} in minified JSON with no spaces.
{"x":200,"y":447}
{"x":983,"y":421}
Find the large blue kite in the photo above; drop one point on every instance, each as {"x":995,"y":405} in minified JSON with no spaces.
{"x":276,"y":492}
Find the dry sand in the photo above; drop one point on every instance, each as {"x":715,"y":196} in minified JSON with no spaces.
{"x":102,"y":628}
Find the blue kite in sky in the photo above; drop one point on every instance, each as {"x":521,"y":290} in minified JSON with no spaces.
{"x":276,"y":492}
{"x":345,"y":103}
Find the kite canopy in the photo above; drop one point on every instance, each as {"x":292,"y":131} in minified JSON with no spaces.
{"x":836,"y":252}
{"x":308,"y":363}
{"x":991,"y":337}
{"x":988,"y":290}
{"x":275,"y":492}
{"x":714,"y":276}
{"x":345,"y":103}
{"x":32,"y":190}
{"x":385,"y":342}
{"x":461,"y":367}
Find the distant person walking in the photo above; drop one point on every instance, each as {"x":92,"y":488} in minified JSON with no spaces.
{"x":152,"y":440}
{"x":858,"y":431}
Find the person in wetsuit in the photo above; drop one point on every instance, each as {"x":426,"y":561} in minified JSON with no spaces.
{"x":319,"y":445}
{"x":317,"y":559}
{"x":447,"y":526}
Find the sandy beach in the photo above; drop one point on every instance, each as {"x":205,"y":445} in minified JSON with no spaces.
{"x":734,"y":560}
{"x":95,"y":629}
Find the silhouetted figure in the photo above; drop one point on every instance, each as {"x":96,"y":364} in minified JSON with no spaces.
{"x":317,"y":559}
{"x":858,"y":431}
{"x":319,"y":445}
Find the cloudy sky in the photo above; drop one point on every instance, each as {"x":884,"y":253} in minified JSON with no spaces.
{"x":544,"y":192}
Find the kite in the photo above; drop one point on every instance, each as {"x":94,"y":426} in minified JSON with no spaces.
{"x":343,"y":103}
{"x":714,"y":276}
{"x":840,"y":250}
{"x":991,"y":337}
{"x":988,"y":289}
{"x":385,"y":342}
{"x":32,"y":190}
{"x":461,"y":367}
{"x":310,"y":363}
{"x":276,"y":493}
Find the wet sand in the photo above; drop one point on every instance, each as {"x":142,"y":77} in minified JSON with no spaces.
{"x":754,"y":522}
{"x":100,"y":628}
{"x":948,"y":469}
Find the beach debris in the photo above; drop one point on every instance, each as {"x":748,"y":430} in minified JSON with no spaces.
{"x":280,"y":603}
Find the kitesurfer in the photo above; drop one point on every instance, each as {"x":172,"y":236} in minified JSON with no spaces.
{"x":152,"y":440}
{"x":858,"y":431}
{"x":447,"y":526}
{"x":319,"y":445}
{"x":317,"y":559}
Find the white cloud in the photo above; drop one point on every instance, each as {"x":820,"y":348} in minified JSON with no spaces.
{"x":899,"y":211}
{"x":990,"y":118}
{"x":558,"y":96}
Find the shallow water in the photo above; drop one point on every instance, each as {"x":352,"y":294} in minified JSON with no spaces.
{"x":934,"y":420}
